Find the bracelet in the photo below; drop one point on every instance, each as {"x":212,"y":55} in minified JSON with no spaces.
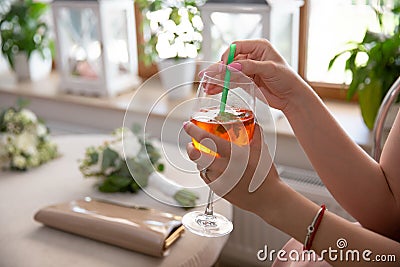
{"x":313,"y":227}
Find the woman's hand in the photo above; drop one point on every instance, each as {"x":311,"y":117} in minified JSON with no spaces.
{"x":244,"y":175}
{"x":259,"y":60}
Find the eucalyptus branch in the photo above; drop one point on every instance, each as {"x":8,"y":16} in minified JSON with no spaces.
{"x":140,"y":166}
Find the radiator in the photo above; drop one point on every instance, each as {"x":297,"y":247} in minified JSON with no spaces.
{"x":251,"y":233}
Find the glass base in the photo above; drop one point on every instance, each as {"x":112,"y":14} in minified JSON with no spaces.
{"x":207,"y":225}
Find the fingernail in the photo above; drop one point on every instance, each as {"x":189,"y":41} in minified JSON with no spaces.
{"x":185,"y":124}
{"x":236,"y":66}
{"x":201,"y":73}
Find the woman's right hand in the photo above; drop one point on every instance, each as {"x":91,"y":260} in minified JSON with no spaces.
{"x":243,"y":175}
{"x":259,"y":60}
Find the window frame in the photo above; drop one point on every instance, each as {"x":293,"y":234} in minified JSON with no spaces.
{"x":324,"y":90}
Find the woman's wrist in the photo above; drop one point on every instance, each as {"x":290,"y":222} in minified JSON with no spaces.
{"x":273,"y":198}
{"x":301,"y":95}
{"x":287,"y":210}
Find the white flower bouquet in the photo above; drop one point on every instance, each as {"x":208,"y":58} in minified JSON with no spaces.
{"x":172,"y":29}
{"x":24,"y":140}
{"x":142,"y":158}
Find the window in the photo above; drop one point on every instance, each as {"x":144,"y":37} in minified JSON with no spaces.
{"x":326,"y":27}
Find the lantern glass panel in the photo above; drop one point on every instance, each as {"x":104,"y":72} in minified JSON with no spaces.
{"x":228,"y":27}
{"x":283,"y":34}
{"x":118,"y":49}
{"x":80,"y":36}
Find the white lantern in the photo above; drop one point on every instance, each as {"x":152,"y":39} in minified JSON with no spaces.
{"x":228,"y":20}
{"x":96,"y":46}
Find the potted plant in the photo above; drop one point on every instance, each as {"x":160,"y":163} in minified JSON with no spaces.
{"x":25,"y":39}
{"x":172,"y":33}
{"x":373,"y":76}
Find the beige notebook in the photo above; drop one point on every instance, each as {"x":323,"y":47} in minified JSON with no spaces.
{"x":148,"y":231}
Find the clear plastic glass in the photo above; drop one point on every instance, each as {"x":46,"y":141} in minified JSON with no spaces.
{"x":233,"y":121}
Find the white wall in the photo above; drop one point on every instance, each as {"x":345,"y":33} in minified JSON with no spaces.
{"x":3,"y":64}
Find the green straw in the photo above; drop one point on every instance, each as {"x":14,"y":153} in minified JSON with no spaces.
{"x":227,"y":80}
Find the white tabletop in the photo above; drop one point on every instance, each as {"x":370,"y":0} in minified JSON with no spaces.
{"x":24,"y":242}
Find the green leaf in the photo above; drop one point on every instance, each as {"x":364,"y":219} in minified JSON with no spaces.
{"x":37,"y":9}
{"x":160,"y":167}
{"x":370,"y":97}
{"x":351,"y":91}
{"x":186,"y":198}
{"x":174,"y":16}
{"x":136,"y":128}
{"x":134,"y":187}
{"x":108,"y":187}
{"x":396,"y":10}
{"x":123,"y":170}
{"x":2,"y":125}
{"x":119,"y":181}
{"x":109,"y":159}
{"x":225,"y":116}
{"x":152,"y":153}
{"x":379,"y":16}
{"x":370,"y":37}
{"x":332,"y":61}
{"x":52,"y":47}
{"x":357,"y":82}
{"x":351,"y":61}
{"x":375,"y":53}
{"x":156,"y":5}
{"x":389,"y":48}
{"x":140,"y":171}
{"x":94,"y":157}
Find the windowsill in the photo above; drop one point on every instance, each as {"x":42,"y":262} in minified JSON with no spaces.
{"x":347,"y":113}
{"x":349,"y":117}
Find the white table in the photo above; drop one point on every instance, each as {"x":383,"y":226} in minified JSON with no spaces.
{"x":24,"y":242}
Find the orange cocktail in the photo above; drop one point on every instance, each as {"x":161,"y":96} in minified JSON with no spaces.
{"x":233,"y":125}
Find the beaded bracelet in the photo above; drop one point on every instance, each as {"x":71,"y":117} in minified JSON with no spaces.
{"x":313,"y":227}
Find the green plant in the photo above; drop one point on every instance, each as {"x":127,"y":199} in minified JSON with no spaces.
{"x":129,"y":162}
{"x":23,"y":30}
{"x":372,"y":79}
{"x":171,"y":29}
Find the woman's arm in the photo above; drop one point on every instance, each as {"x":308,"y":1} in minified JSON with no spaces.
{"x":368,"y":190}
{"x":278,"y":204}
{"x":292,"y":213}
{"x":390,"y":159}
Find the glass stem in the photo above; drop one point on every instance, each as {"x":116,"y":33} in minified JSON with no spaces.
{"x":210,"y":204}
